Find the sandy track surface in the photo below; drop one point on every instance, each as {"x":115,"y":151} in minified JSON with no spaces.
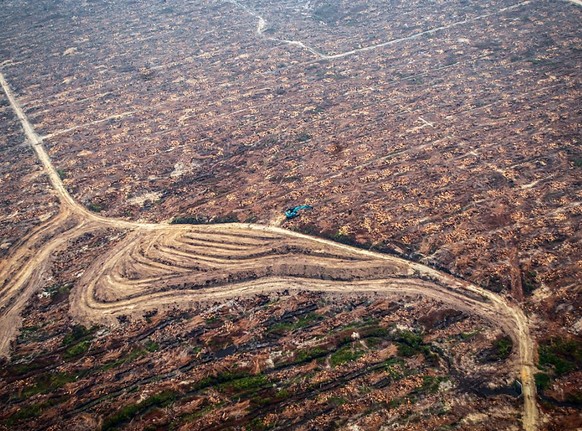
{"x":161,"y":266}
{"x":22,"y":272}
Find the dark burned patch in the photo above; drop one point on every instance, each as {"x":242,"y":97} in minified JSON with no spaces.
{"x":481,"y":388}
{"x":21,"y":370}
{"x":125,"y":68}
{"x":440,"y":319}
{"x":499,"y":351}
{"x":288,"y":316}
{"x":228,"y":351}
{"x":495,"y":284}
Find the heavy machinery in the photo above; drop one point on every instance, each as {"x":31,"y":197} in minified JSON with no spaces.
{"x":291,"y":213}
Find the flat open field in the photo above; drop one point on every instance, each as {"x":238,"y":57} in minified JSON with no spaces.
{"x":447,"y":133}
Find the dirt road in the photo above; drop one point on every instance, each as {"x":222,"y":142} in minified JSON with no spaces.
{"x":164,"y":266}
{"x":321,"y":56}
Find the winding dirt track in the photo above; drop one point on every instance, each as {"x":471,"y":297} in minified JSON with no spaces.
{"x":262,"y":26}
{"x":161,"y":266}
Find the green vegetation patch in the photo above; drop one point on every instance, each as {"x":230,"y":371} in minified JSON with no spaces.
{"x":249,"y":383}
{"x":393,"y":367}
{"x":560,"y":355}
{"x":499,"y":351}
{"x":308,"y":355}
{"x":395,"y":402}
{"x":193,"y":417}
{"x":132,"y":356}
{"x":28,"y":333}
{"x":374,"y":331}
{"x":239,"y":381}
{"x":345,"y":354}
{"x":336,"y":401}
{"x":78,"y":333}
{"x":125,"y":414}
{"x":151,"y":346}
{"x":503,"y":347}
{"x":20,"y":369}
{"x":302,"y":322}
{"x":468,"y":335}
{"x":59,"y":290}
{"x":543,"y":381}
{"x":431,"y":384}
{"x":25,"y":413}
{"x":530,"y":281}
{"x":47,"y":383}
{"x":282,"y":394}
{"x":77,"y":341}
{"x":257,"y":424}
{"x":281,"y":328}
{"x":95,"y":207}
{"x":77,"y":350}
{"x":409,"y":344}
{"x":364,"y":323}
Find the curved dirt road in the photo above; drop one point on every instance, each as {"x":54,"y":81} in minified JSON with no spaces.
{"x":159,"y":266}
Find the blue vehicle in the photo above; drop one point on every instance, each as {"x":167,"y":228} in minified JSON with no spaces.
{"x":291,"y":213}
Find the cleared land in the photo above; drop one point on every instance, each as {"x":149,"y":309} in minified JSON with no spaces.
{"x":447,"y":132}
{"x":165,"y":257}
